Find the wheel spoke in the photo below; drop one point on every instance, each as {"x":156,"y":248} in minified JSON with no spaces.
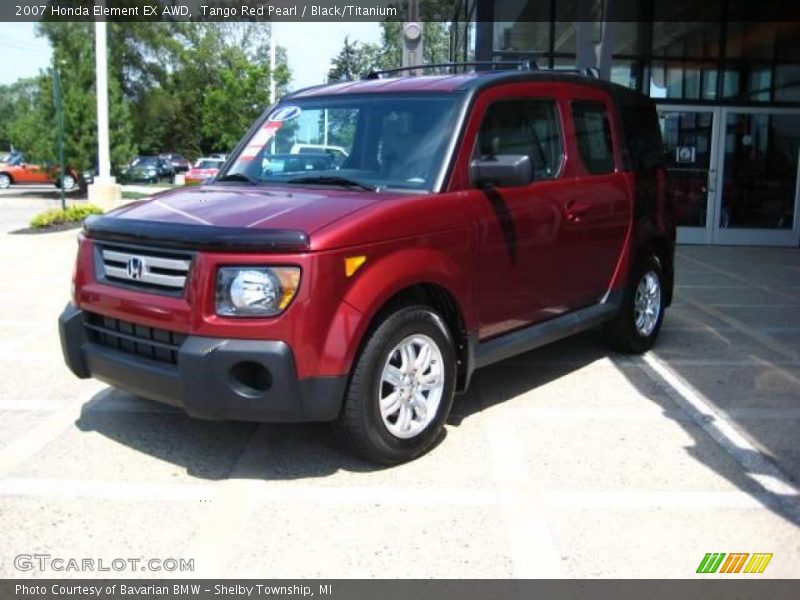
{"x":404,"y":419}
{"x":391,"y":404}
{"x":407,"y":355}
{"x":392,"y":375}
{"x":420,"y":405}
{"x":424,"y":358}
{"x":429,"y":380}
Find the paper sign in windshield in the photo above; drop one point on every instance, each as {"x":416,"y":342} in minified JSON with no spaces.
{"x":260,"y":139}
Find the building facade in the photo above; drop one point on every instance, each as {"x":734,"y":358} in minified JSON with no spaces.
{"x":724,"y":73}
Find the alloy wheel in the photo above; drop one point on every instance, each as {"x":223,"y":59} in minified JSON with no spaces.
{"x":647,"y":303}
{"x":411,"y":386}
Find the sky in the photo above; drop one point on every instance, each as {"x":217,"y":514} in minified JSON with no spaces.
{"x":309,"y":46}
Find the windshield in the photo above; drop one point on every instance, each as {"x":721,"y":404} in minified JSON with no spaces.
{"x":145,"y":161}
{"x":391,"y":141}
{"x":208,"y":164}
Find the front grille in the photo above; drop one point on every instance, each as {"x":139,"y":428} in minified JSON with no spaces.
{"x":150,"y":269}
{"x":149,"y":342}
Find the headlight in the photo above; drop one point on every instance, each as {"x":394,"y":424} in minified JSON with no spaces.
{"x":255,"y":291}
{"x":151,"y":171}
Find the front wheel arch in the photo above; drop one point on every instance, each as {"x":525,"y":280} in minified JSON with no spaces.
{"x":442,"y":302}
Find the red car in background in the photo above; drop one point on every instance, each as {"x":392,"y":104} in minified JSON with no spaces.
{"x":178,"y":162}
{"x":18,"y":172}
{"x":203,"y":170}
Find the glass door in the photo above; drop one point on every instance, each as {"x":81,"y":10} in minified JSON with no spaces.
{"x":758,"y":177}
{"x":690,"y":135}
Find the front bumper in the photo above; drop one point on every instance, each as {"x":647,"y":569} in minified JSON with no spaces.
{"x":214,"y":378}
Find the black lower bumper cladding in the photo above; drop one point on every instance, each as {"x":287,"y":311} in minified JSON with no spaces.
{"x":213,"y":378}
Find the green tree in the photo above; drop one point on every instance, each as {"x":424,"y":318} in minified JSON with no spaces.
{"x":34,"y":130}
{"x":354,"y":60}
{"x":184,"y":87}
{"x":15,"y":99}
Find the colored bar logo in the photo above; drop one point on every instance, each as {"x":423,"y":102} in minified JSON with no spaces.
{"x":737,"y":562}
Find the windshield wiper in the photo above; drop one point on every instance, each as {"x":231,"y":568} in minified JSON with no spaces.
{"x":238,"y":177}
{"x":333,"y":180}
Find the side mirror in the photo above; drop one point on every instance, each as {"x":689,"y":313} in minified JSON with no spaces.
{"x":505,"y":170}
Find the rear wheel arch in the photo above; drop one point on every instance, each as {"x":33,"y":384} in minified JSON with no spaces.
{"x":9,"y":175}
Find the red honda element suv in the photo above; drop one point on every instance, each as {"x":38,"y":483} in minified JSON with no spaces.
{"x":464,"y":219}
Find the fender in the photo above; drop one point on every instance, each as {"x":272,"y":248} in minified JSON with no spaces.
{"x":381,"y":278}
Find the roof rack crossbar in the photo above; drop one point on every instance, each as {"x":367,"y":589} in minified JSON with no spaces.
{"x":519,"y":65}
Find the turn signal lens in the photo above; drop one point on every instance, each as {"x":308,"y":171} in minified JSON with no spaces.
{"x":353,"y":264}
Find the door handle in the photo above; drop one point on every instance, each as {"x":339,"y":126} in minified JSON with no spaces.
{"x":575,"y":209}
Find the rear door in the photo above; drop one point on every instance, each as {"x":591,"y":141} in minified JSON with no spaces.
{"x":597,"y":208}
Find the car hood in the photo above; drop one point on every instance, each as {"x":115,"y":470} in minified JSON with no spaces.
{"x":299,"y":208}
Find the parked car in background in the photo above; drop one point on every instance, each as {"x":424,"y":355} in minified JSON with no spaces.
{"x":18,"y":172}
{"x":148,"y":169}
{"x":337,"y":153}
{"x":10,"y":158}
{"x":178,"y":162}
{"x":218,"y":156}
{"x":203,"y":170}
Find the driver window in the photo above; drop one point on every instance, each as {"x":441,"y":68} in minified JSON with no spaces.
{"x":523,"y":127}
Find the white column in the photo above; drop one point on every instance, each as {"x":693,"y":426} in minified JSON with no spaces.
{"x":272,"y":52}
{"x":104,"y":191}
{"x":101,"y":67}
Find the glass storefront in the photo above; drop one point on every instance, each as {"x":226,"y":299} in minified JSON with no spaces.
{"x":733,"y":173}
{"x":759,"y":178}
{"x":728,"y":91}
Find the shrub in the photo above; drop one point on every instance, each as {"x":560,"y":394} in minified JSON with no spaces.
{"x":57,"y":216}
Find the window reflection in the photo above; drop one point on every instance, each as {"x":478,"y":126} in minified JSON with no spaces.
{"x":761,"y":160}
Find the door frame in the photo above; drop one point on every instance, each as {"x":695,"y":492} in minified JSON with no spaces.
{"x":703,"y":235}
{"x":751,"y":236}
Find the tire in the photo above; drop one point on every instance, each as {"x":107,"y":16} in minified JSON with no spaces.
{"x":5,"y":181}
{"x":69,"y":183}
{"x":412,"y":421}
{"x":636,"y":327}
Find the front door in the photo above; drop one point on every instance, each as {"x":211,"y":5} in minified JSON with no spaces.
{"x":758,"y":178}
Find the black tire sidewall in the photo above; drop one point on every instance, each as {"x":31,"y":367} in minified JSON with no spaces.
{"x":400,"y":325}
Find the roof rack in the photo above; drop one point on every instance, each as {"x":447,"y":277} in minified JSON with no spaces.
{"x":518,"y":65}
{"x":497,"y":65}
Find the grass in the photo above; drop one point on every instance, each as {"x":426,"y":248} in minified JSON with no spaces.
{"x":58,"y":216}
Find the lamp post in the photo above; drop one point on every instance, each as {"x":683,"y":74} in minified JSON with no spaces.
{"x":59,"y":132}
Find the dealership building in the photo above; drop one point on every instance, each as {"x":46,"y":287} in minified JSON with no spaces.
{"x":725,"y":75}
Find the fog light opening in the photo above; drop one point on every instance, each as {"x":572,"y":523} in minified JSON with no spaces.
{"x":250,"y":378}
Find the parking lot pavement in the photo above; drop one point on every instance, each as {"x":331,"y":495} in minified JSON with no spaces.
{"x":18,"y":204}
{"x":568,"y":461}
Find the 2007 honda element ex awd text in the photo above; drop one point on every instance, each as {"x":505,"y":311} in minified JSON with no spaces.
{"x":462,"y":219}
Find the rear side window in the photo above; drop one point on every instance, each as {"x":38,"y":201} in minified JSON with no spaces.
{"x":526,"y":127}
{"x":644,"y":136}
{"x":593,"y":135}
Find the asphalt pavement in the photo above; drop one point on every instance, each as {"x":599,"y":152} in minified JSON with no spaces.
{"x":568,"y":461}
